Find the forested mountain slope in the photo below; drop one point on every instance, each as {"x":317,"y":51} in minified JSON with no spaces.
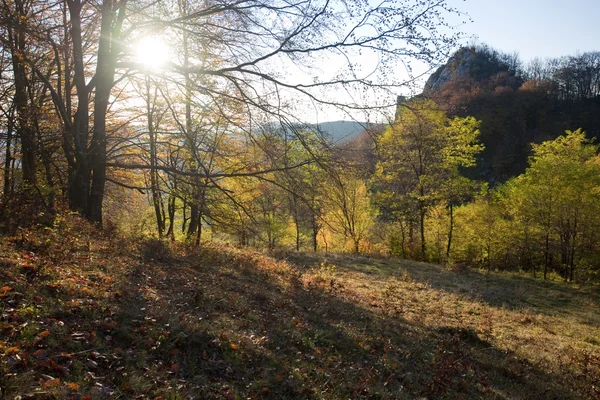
{"x":517,"y":103}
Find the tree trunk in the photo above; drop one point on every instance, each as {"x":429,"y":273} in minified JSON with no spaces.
{"x":154,"y":185}
{"x":450,"y":230}
{"x":194,"y":215}
{"x":171,"y":216}
{"x":315,"y":226}
{"x":108,"y":49}
{"x":422,"y":227}
{"x":24,"y":127}
{"x":315,"y":233}
{"x":199,"y":230}
{"x":7,"y":160}
{"x":403,"y":240}
{"x":546,"y":256}
{"x":79,"y":172}
{"x":185,"y":217}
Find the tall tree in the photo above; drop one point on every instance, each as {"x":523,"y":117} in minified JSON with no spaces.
{"x":419,"y":158}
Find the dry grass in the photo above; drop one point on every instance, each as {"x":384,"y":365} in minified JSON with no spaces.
{"x":103,"y":320}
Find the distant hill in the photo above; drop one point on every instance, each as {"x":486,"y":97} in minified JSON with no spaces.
{"x":338,"y":132}
{"x":342,"y":131}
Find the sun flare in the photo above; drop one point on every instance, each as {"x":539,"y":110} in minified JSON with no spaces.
{"x":152,"y":52}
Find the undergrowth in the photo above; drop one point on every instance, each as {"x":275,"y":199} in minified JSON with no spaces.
{"x":85,"y":315}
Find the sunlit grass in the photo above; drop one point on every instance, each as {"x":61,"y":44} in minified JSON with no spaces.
{"x":153,"y":320}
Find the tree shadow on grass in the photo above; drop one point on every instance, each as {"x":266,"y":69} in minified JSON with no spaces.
{"x":506,"y":290}
{"x":236,"y":331}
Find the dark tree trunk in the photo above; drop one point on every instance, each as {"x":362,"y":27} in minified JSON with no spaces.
{"x":154,"y":178}
{"x":199,"y":230}
{"x":422,"y":228}
{"x":108,"y":49}
{"x":546,"y":256}
{"x":315,"y":233}
{"x":171,"y":214}
{"x":185,"y":217}
{"x":24,"y":129}
{"x":7,"y":160}
{"x":450,"y":231}
{"x":194,"y":215}
{"x":79,"y":172}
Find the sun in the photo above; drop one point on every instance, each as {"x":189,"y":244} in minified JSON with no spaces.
{"x":152,"y":52}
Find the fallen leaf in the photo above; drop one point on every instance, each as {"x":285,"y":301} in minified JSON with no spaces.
{"x":5,"y":289}
{"x":234,"y":346}
{"x":73,"y":386}
{"x":12,"y":350}
{"x":51,"y":383}
{"x":44,"y":334}
{"x":39,"y":354}
{"x":40,"y":337}
{"x":174,"y":368}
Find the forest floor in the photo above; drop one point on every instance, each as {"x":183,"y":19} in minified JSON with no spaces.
{"x":86,"y":317}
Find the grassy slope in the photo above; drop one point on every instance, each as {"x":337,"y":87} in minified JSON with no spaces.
{"x":107,"y":320}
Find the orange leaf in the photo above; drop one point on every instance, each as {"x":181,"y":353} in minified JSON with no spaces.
{"x":73,"y":386}
{"x":234,"y":346}
{"x":5,"y":289}
{"x":51,"y":383}
{"x":44,"y":334}
{"x":12,"y":350}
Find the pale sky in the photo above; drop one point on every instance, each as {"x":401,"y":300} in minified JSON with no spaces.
{"x":534,"y":28}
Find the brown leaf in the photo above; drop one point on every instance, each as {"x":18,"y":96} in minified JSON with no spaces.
{"x":39,"y":354}
{"x":51,"y":383}
{"x":44,"y":334}
{"x":12,"y":350}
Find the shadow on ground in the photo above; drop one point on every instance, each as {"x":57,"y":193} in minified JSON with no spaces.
{"x":551,"y":298}
{"x":239,"y":330}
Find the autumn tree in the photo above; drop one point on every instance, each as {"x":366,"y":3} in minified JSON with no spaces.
{"x":349,"y":211}
{"x":558,"y":195}
{"x":419,"y":159}
{"x":82,"y":54}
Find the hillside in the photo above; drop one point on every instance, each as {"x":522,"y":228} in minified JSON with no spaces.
{"x":84,"y":316}
{"x":518,"y":104}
